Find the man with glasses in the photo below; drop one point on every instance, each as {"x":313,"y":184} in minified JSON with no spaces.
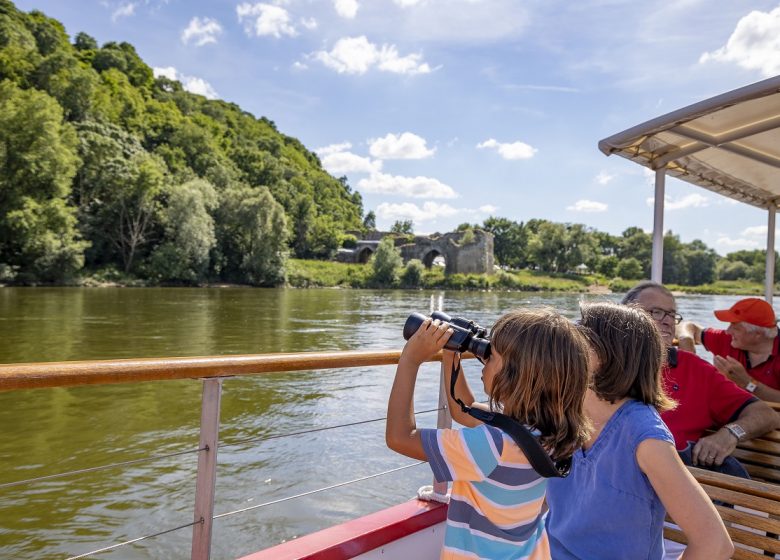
{"x":748,"y":351}
{"x":706,"y":398}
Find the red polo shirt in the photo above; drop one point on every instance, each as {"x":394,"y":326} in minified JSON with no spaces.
{"x":705,"y":398}
{"x":719,"y":343}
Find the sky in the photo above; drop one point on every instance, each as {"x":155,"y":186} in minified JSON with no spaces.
{"x":450,"y":111}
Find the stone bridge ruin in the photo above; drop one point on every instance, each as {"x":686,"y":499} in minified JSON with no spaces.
{"x":463,"y":252}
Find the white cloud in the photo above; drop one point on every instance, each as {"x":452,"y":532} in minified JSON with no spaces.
{"x":202,"y":31}
{"x":298,"y":65}
{"x":407,"y":211}
{"x":124,"y":10}
{"x":739,"y":243}
{"x":414,"y":187}
{"x":309,"y":23}
{"x":404,"y":146}
{"x":190,"y":83}
{"x":488,"y":209}
{"x":755,"y":231}
{"x":688,"y":201}
{"x":407,"y":3}
{"x":356,"y":55}
{"x":587,"y":206}
{"x":333,"y":148}
{"x":265,"y":19}
{"x":341,"y":163}
{"x":754,"y":44}
{"x":346,"y":8}
{"x":604,"y":178}
{"x":515,"y":150}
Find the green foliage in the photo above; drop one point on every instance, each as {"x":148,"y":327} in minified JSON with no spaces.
{"x":468,"y":237}
{"x":38,"y":235}
{"x":349,"y":241}
{"x":369,"y":222}
{"x":189,"y":234}
{"x":385,"y":263}
{"x":629,"y":269}
{"x":412,"y":276}
{"x":142,"y":142}
{"x":252,"y":236}
{"x":402,"y":226}
{"x":510,"y":241}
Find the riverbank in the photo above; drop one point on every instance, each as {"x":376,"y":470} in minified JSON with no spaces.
{"x":327,"y":274}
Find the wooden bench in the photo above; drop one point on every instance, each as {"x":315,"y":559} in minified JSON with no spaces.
{"x":761,"y":457}
{"x":753,"y":522}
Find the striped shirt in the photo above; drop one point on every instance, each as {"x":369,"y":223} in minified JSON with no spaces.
{"x":496,"y":497}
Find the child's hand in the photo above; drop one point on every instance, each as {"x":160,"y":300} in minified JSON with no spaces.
{"x":429,"y":339}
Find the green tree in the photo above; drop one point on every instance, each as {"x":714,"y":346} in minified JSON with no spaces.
{"x":252,"y":236}
{"x":675,"y":269}
{"x":405,"y":227}
{"x":510,"y":241}
{"x":189,"y":234}
{"x":386,"y":262}
{"x":412,"y":275}
{"x":38,"y":159}
{"x":630,"y":269}
{"x":547,"y":246}
{"x":369,"y":222}
{"x":732,"y":270}
{"x":635,"y":243}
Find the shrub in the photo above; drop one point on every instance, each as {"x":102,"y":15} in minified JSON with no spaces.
{"x":386,"y":262}
{"x":412,"y":276}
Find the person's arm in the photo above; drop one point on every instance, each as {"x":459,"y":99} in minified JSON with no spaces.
{"x":401,"y":433}
{"x":688,"y":335}
{"x":756,"y":419}
{"x":685,"y":501}
{"x":462,"y":391}
{"x":735,"y":371}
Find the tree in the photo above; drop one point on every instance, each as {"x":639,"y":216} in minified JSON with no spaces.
{"x":635,"y":243}
{"x":629,"y":269}
{"x":510,"y":240}
{"x":369,"y":222}
{"x":252,"y":236}
{"x":547,"y":246}
{"x":38,"y":232}
{"x":403,"y":226}
{"x":412,"y":276}
{"x":386,"y":262}
{"x":189,"y":234}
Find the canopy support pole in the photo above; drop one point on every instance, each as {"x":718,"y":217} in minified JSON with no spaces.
{"x":769,"y":281}
{"x":657,"y":270}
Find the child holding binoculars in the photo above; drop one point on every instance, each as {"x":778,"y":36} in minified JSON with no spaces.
{"x":536,"y":373}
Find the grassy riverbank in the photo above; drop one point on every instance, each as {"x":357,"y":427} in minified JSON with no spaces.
{"x":310,"y":274}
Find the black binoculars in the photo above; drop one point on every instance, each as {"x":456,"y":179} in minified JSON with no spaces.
{"x":467,"y":336}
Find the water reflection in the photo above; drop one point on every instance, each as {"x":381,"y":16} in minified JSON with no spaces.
{"x":55,"y":430}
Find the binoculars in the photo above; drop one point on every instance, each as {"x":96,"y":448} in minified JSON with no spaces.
{"x":467,"y":336}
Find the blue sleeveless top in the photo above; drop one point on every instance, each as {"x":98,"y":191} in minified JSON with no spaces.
{"x":606,"y":507}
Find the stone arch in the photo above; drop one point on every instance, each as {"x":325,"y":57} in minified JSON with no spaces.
{"x":364,"y":255}
{"x":431,"y":255}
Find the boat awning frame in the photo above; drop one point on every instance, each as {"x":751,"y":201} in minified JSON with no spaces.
{"x":728,"y":144}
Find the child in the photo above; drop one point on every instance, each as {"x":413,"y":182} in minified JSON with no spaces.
{"x":537,"y":374}
{"x":612,"y":504}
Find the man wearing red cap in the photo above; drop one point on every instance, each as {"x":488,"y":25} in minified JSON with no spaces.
{"x":706,"y":399}
{"x":747,"y":351}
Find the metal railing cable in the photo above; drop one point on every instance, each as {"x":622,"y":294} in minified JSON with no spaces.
{"x":131,"y":541}
{"x":100,"y":467}
{"x":310,"y":492}
{"x":315,"y":430}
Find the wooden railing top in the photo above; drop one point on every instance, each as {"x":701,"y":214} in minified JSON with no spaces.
{"x":98,"y":372}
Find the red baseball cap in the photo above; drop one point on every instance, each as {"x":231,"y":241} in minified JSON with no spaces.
{"x":755,"y":311}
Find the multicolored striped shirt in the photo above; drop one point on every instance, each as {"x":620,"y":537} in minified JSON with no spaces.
{"x":495,"y":509}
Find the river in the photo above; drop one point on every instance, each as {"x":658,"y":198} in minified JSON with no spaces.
{"x":51,"y":431}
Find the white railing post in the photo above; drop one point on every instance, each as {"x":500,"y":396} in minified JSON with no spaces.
{"x":769,"y":278}
{"x":205,"y":484}
{"x":657,"y":268}
{"x":443,"y":420}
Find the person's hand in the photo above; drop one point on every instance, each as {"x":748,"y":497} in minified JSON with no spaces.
{"x":732,"y":369}
{"x":429,"y":339}
{"x":713,"y":450}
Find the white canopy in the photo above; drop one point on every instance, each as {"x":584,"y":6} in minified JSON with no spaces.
{"x":729,"y":144}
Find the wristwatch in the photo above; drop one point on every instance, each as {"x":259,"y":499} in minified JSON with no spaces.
{"x":736,"y":430}
{"x":751,"y":387}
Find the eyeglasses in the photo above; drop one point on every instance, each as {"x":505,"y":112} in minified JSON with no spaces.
{"x":659,"y":315}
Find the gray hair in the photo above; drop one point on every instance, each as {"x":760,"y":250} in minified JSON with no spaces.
{"x":633,"y":294}
{"x":766,"y":332}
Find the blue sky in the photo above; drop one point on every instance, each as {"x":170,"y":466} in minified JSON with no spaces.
{"x":449,"y":111}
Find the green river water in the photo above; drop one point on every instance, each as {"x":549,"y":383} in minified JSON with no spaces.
{"x":49,"y":431}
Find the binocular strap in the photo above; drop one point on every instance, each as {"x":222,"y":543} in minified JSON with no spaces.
{"x":540,"y":460}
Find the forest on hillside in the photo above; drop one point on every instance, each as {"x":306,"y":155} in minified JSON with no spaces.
{"x":108,"y":171}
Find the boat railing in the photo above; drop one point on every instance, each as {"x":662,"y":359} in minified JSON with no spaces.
{"x":212,"y":370}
